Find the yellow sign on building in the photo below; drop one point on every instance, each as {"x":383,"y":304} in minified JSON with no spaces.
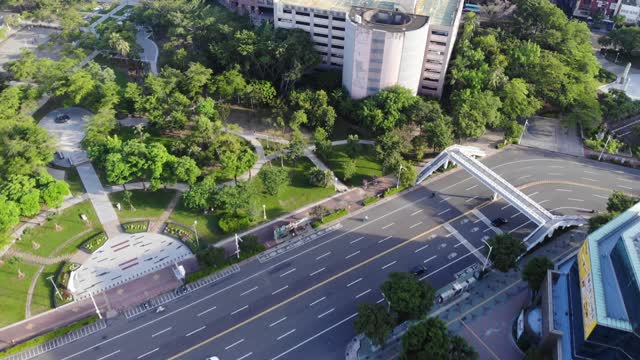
{"x":586,"y":290}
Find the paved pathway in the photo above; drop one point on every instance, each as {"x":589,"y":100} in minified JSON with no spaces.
{"x":98,"y":196}
{"x":156,"y":226}
{"x":36,"y":259}
{"x":149,"y":49}
{"x":553,"y":135}
{"x":632,"y":88}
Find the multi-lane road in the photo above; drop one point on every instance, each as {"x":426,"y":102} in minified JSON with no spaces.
{"x":301,"y":304}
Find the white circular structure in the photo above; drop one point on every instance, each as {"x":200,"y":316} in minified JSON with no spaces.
{"x":383,"y":48}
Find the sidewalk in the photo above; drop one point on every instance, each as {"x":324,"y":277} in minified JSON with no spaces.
{"x":496,"y":292}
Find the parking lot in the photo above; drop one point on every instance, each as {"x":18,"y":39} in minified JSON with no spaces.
{"x":28,"y":38}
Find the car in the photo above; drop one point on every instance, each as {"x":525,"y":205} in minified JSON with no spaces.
{"x":419,"y":270}
{"x":497,"y":222}
{"x":213,"y":358}
{"x":62,"y":118}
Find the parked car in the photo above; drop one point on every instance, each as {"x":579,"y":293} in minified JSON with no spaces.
{"x":497,"y":222}
{"x":61,"y":118}
{"x":419,"y":270}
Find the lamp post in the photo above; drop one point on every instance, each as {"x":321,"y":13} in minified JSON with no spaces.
{"x":604,"y":147}
{"x":488,"y":255}
{"x":526,"y":122}
{"x":195,"y":230}
{"x":264,"y":211}
{"x":399,"y":174}
{"x":238,"y":241}
{"x":50,"y":278}
{"x":388,"y":302}
{"x":95,"y":305}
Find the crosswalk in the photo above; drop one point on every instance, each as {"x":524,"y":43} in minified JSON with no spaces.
{"x":170,"y":296}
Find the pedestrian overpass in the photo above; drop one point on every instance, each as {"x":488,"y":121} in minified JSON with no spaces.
{"x":465,"y":157}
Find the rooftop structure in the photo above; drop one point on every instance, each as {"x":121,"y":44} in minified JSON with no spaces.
{"x":592,"y":302}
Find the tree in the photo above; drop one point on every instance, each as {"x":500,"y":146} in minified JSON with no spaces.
{"x":353,"y":145}
{"x":408,"y":174}
{"x":237,"y":200}
{"x":250,"y":245}
{"x":505,"y":250}
{"x":517,"y":100}
{"x":273,"y":179}
{"x":297,"y":145}
{"x":261,"y":93}
{"x":387,"y":109}
{"x":474,"y":111}
{"x":512,"y":130}
{"x":78,"y":86}
{"x":595,"y":222}
{"x":118,"y":44}
{"x":619,"y":20}
{"x":535,"y":271}
{"x":619,"y":202}
{"x":598,"y":16}
{"x":196,"y":78}
{"x":375,"y":322}
{"x":316,"y":106}
{"x":430,"y":339}
{"x":9,"y":215}
{"x":322,"y":142}
{"x":319,"y":177}
{"x":24,"y":148}
{"x":200,"y":195}
{"x":626,"y":38}
{"x":349,"y":169}
{"x":409,"y":297}
{"x":228,"y":84}
{"x":297,"y":118}
{"x":439,"y":134}
{"x":53,"y":193}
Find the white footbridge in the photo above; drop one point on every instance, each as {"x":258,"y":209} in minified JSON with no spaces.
{"x":465,"y":157}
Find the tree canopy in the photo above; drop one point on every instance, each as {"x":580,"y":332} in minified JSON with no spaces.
{"x":535,"y":271}
{"x":430,"y":339}
{"x":506,"y":248}
{"x":409,"y":297}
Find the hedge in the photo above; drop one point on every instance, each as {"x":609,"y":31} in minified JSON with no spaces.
{"x":230,"y":224}
{"x":136,"y":227}
{"x":370,"y":200}
{"x":329,"y":218}
{"x":48,"y":336}
{"x":93,"y":243}
{"x":245,"y":253}
{"x":393,"y":190}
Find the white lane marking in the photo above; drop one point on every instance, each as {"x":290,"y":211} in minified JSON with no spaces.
{"x":379,"y":301}
{"x":565,"y":190}
{"x":316,"y":335}
{"x":278,"y":322}
{"x":356,"y":240}
{"x":453,"y":262}
{"x":519,"y":227}
{"x":556,"y":166}
{"x":206,"y":311}
{"x":323,"y":255}
{"x":282,"y":288}
{"x":456,"y":245}
{"x":477,"y":221}
{"x":623,"y":179}
{"x":234,"y":344}
{"x":445,"y":199}
{"x":288,"y":272}
{"x":250,"y":290}
{"x":196,"y":330}
{"x":516,"y":215}
{"x":148,"y":353}
{"x":588,"y":179}
{"x":285,"y":334}
{"x":363,"y":293}
{"x":242,"y":308}
{"x":470,"y":199}
{"x":317,"y":271}
{"x":317,"y":301}
{"x":245,"y":356}
{"x":106,"y":356}
{"x":416,"y":224}
{"x":590,"y":172}
{"x":485,"y":230}
{"x":472,"y":187}
{"x":326,"y":312}
{"x":625,"y":187}
{"x":161,"y":331}
{"x":601,"y":197}
{"x":524,"y":177}
{"x":572,"y":199}
{"x":422,"y":248}
{"x":354,"y":254}
{"x":449,"y":234}
{"x":442,"y":212}
{"x":416,"y":212}
{"x":354,"y":282}
{"x":386,"y":226}
{"x":504,"y":207}
{"x":556,"y":174}
{"x":431,"y":258}
{"x":542,"y":202}
{"x":230,"y":286}
{"x":530,"y":195}
{"x":389,"y":264}
{"x":385,"y":239}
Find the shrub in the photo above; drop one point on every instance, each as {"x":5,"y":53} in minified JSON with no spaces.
{"x":183,"y":233}
{"x":250,"y":245}
{"x":329,"y":218}
{"x":370,"y":200}
{"x":393,"y":190}
{"x":93,"y":243}
{"x":136,"y":227}
{"x":320,"y":211}
{"x":230,"y":224}
{"x":319,"y":177}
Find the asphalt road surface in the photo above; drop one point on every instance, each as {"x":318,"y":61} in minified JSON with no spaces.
{"x":301,"y":305}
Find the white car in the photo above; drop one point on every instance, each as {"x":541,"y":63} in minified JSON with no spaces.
{"x":212,"y":358}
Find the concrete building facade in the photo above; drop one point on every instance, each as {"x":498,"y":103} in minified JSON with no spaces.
{"x":429,"y":35}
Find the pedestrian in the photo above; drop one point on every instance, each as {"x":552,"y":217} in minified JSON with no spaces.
{"x":366,"y":218}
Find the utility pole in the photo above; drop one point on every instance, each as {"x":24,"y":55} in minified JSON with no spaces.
{"x":50,"y":278}
{"x":264,"y":211}
{"x":399,"y":173}
{"x":604,"y":147}
{"x":526,"y":122}
{"x":195,"y":230}
{"x":488,"y":255}
{"x":95,"y":305}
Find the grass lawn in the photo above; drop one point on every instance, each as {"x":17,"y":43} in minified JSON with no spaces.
{"x":43,"y":291}
{"x":121,"y":76}
{"x":47,"y":236}
{"x":271,"y":147}
{"x":295,"y":195}
{"x":147,"y":204}
{"x":73,"y":179}
{"x":367,"y":165}
{"x":123,"y":10}
{"x":93,"y":19}
{"x":13,"y":291}
{"x":207,"y":227}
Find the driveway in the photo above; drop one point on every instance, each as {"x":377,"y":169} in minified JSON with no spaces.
{"x":632,"y":87}
{"x":553,"y":135}
{"x":71,"y":133}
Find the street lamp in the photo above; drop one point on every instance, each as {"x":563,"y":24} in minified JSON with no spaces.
{"x":526,"y":122}
{"x":195,"y":230}
{"x":388,"y":302}
{"x":604,"y":147}
{"x":399,"y":173}
{"x":50,"y":278}
{"x":238,"y":241}
{"x":264,"y":211}
{"x":95,"y":305}
{"x":335,"y":183}
{"x":488,"y":255}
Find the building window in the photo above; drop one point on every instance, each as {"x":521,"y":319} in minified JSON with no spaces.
{"x":440,"y":33}
{"x":302,"y":13}
{"x":321,"y":35}
{"x":320,"y":16}
{"x":438,"y":43}
{"x":287,"y":11}
{"x":430,"y":88}
{"x":337,"y":46}
{"x":302,"y":23}
{"x":338,"y":37}
{"x":319,"y":44}
{"x":338,"y":19}
{"x":337,"y":28}
{"x":321,"y":26}
{"x":335,"y":64}
{"x":377,"y":51}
